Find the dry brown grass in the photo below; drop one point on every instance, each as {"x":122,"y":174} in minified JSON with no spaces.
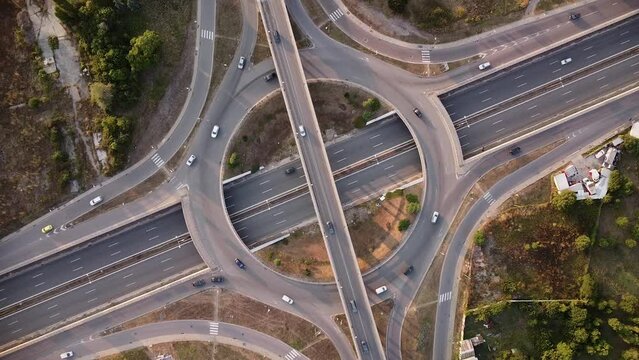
{"x":381,"y":312}
{"x":262,"y":50}
{"x":253,"y":142}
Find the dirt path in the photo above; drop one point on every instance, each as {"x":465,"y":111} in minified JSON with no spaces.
{"x":530,"y":9}
{"x":67,"y":61}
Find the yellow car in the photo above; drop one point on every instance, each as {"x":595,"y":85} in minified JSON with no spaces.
{"x":47,"y":229}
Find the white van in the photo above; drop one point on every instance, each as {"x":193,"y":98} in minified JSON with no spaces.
{"x":381,"y":290}
{"x":302,"y":131}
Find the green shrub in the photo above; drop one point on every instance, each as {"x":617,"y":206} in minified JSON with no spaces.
{"x":277,"y":262}
{"x":582,"y":242}
{"x":480,"y":238}
{"x":631,"y":243}
{"x":412,"y":198}
{"x":397,"y":6}
{"x":34,"y":102}
{"x":403,"y":225}
{"x":233,"y":162}
{"x":307,"y":272}
{"x":54,"y":44}
{"x":372,"y":104}
{"x":622,"y":222}
{"x":412,"y":208}
{"x":564,"y":201}
{"x":367,"y":115}
{"x":359,"y":122}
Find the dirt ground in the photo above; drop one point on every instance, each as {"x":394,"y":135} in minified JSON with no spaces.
{"x":467,"y":18}
{"x":227,"y":306}
{"x":187,"y":350}
{"x":373,"y":230}
{"x":254,"y":141}
{"x":29,"y":177}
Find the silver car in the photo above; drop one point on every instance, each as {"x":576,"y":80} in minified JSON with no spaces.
{"x":242,"y":62}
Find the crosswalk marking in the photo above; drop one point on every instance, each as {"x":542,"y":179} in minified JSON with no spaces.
{"x":292,"y":355}
{"x":157,"y":160}
{"x":207,"y":34}
{"x":213,"y":328}
{"x":426,"y":56}
{"x":445,"y":297}
{"x":336,"y":15}
{"x":489,"y":198}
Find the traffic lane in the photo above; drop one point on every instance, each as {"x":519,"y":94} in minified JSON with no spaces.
{"x":99,"y":292}
{"x":539,"y":70}
{"x":584,"y":129}
{"x":278,"y":220}
{"x":266,"y":185}
{"x":93,"y":256}
{"x":525,"y":116}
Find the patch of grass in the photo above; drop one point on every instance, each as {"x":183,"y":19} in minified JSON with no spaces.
{"x":140,"y":353}
{"x":546,"y":5}
{"x":192,"y":350}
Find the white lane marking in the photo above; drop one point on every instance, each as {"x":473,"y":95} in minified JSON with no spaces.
{"x":52,"y":306}
{"x":127,"y":275}
{"x":265,"y":182}
{"x":265,"y":191}
{"x":498,"y":121}
{"x":280,"y":222}
{"x":374,"y":136}
{"x":54,"y":315}
{"x":15,"y":331}
{"x":13,"y":322}
{"x":279,"y":213}
{"x":78,"y":268}
{"x":483,"y":91}
{"x":240,"y":229}
{"x":488,"y":99}
{"x":40,"y":284}
{"x":624,"y":42}
{"x":554,"y":62}
{"x":519,"y":77}
{"x":603,"y":86}
{"x":532,"y":107}
{"x":523,"y":84}
{"x":558,"y":70}
{"x":115,"y":253}
{"x":451,"y":114}
{"x":340,"y":160}
{"x":463,"y":136}
{"x":380,"y":144}
{"x":37,"y":275}
{"x":465,"y":144}
{"x":389,"y":167}
{"x":336,"y":15}
{"x":587,"y":48}
{"x":165,"y":260}
{"x":90,"y":291}
{"x":153,"y":238}
{"x":352,"y":182}
{"x":534,"y":116}
{"x":591,"y":56}
{"x":151,"y":229}
{"x":635,"y":64}
{"x":569,"y":101}
{"x":213,"y":328}
{"x":500,"y":130}
{"x":567,"y":92}
{"x":601,"y":78}
{"x":425,"y":56}
{"x":338,"y":151}
{"x":624,"y":33}
{"x":3,"y":299}
{"x":114,"y":244}
{"x":169,"y":268}
{"x":130,"y":284}
{"x":92,"y":300}
{"x":228,"y":197}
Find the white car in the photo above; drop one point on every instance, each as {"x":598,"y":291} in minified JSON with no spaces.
{"x":566,"y":61}
{"x":435,"y":217}
{"x":214,"y":132}
{"x":190,"y":161}
{"x":302,"y":131}
{"x":66,"y":355}
{"x":381,"y":290}
{"x":95,"y":201}
{"x":484,"y":66}
{"x":287,"y":299}
{"x":242,"y":62}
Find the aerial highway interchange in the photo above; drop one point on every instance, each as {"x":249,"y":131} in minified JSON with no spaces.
{"x":467,"y":114}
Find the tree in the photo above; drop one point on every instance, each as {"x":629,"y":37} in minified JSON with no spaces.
{"x":564,"y":201}
{"x":101,"y":95}
{"x":582,"y":242}
{"x":615,"y":324}
{"x":412,"y":198}
{"x":480,"y":238}
{"x":578,"y":315}
{"x":587,"y":288}
{"x":631,"y":145}
{"x":412,"y":208}
{"x":628,"y":303}
{"x":622,"y":222}
{"x":631,"y":243}
{"x":562,"y":351}
{"x":630,"y":354}
{"x":398,"y":6}
{"x":144,"y":51}
{"x":580,"y":335}
{"x":233,"y":160}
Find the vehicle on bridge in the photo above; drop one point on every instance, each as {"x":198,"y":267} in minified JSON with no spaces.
{"x":47,"y":229}
{"x":575,"y":16}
